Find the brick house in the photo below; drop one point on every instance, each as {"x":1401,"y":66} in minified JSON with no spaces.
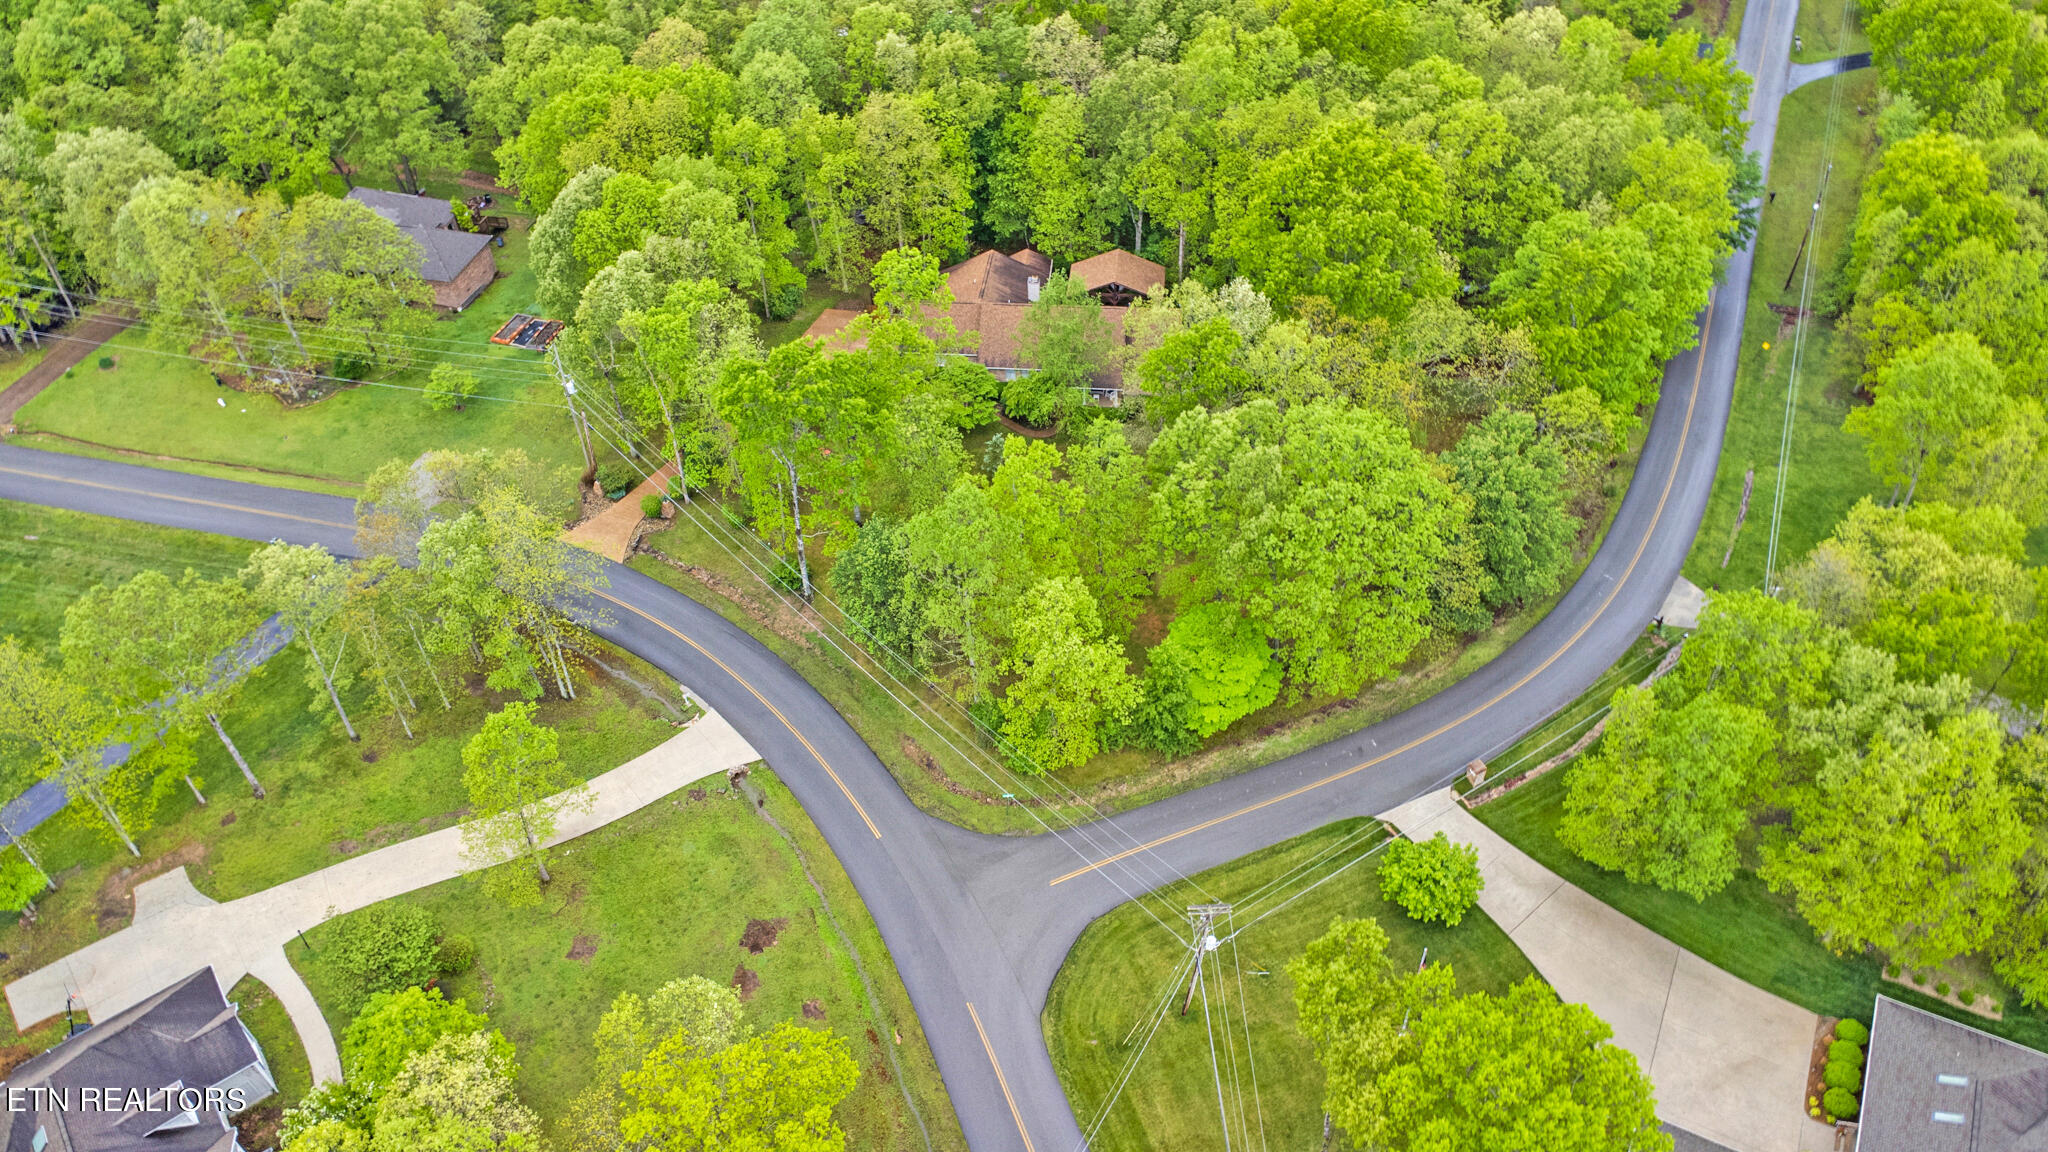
{"x":457,"y":265}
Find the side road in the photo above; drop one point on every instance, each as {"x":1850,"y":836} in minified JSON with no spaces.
{"x":1728,"y":1060}
{"x":177,"y":929}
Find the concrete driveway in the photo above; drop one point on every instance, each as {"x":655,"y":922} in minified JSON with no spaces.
{"x":1728,"y":1059}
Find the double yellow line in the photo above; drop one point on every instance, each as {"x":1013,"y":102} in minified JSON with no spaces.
{"x":1670,"y":478}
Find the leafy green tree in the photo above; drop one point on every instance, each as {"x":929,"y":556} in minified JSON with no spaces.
{"x":449,"y":386}
{"x":367,"y":69}
{"x":774,"y":1091}
{"x":1195,"y":366}
{"x":1071,"y":681}
{"x":1321,"y":521}
{"x":91,"y":177}
{"x":383,"y":948}
{"x":262,"y":120}
{"x":1589,"y":297}
{"x":51,"y":711}
{"x":21,"y":882}
{"x":1773,"y":655}
{"x":1928,"y":403}
{"x":873,"y":583}
{"x":1351,"y":1002}
{"x":1373,"y":34}
{"x":1946,"y":54}
{"x":1910,"y":849}
{"x":518,"y":787}
{"x":1433,"y":880}
{"x":1930,"y":194}
{"x":457,"y":1096}
{"x":1349,"y":215}
{"x":1223,"y":661}
{"x":1665,"y":797}
{"x":1111,"y":528}
{"x":901,"y":183}
{"x":559,"y":269}
{"x":1516,"y":479}
{"x":1065,"y":341}
{"x":1522,"y":1070}
{"x":393,"y":1027}
{"x":702,"y":1017}
{"x":1673,"y":71}
{"x":308,"y":589}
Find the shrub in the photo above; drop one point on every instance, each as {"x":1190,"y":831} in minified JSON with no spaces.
{"x":1433,"y":880}
{"x":1853,"y":1031}
{"x":1845,"y":1052}
{"x":1967,"y":997}
{"x":650,"y":505}
{"x":1840,"y":1103}
{"x":1892,"y":970}
{"x":1841,"y":1075}
{"x":1941,"y":989}
{"x":393,"y":1026}
{"x":106,"y":362}
{"x":448,"y":386}
{"x":384,"y":948}
{"x":617,"y":478}
{"x":455,"y":954}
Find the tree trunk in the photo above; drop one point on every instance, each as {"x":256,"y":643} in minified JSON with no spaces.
{"x":341,"y":171}
{"x":429,"y":662}
{"x":255,"y":785}
{"x":56,"y":278}
{"x":1914,"y":481}
{"x":327,"y":678}
{"x":113,"y":820}
{"x":49,"y":885}
{"x":1180,"y":261}
{"x":1138,"y":241}
{"x":533,"y":848}
{"x":796,"y":515}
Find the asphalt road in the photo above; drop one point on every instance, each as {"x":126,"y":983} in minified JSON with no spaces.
{"x":978,"y":925}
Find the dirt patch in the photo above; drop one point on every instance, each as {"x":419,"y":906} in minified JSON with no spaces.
{"x":747,"y":981}
{"x":381,"y":835}
{"x":227,"y":819}
{"x":697,"y":794}
{"x":15,"y":1055}
{"x":779,"y":620}
{"x":258,"y":1127}
{"x":371,"y":755}
{"x":574,"y":898}
{"x":114,"y":903}
{"x":915,"y":753}
{"x":761,"y":934}
{"x":582,"y":949}
{"x":814,"y":1010}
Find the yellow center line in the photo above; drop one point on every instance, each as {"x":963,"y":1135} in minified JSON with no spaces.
{"x":808,"y":746}
{"x":1684,"y":433}
{"x":1000,"y":1078}
{"x":180,"y":499}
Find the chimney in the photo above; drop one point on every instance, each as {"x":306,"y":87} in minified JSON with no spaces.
{"x":1031,"y":289}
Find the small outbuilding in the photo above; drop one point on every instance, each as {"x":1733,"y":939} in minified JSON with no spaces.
{"x":162,"y":1076}
{"x":457,"y":265}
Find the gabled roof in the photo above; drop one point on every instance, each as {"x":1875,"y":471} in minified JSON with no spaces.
{"x":184,"y":1037}
{"x":1933,"y":1085}
{"x":993,"y":278}
{"x":1118,"y":267}
{"x":405,"y":211}
{"x":445,"y":252}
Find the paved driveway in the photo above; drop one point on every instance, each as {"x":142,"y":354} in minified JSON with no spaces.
{"x":1727,"y":1058}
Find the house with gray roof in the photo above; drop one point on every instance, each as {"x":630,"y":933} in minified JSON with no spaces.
{"x":457,"y":265}
{"x":1933,"y":1085}
{"x":162,"y":1076}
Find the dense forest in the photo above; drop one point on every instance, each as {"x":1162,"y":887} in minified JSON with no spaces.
{"x":1425,"y":261}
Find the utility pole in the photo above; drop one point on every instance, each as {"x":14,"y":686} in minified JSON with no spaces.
{"x":1812,"y":221}
{"x":575,"y":416}
{"x":1203,"y":917}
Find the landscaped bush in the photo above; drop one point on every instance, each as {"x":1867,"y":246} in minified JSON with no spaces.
{"x":1892,"y":970}
{"x":106,"y":362}
{"x":455,"y":954}
{"x":1433,"y":880}
{"x":1967,"y":997}
{"x":650,"y":505}
{"x":1842,"y":1075}
{"x":1840,"y":1103}
{"x":384,"y":948}
{"x":1845,"y":1052}
{"x":1853,"y":1031}
{"x":393,"y":1026}
{"x":1941,"y":989}
{"x":616,"y":478}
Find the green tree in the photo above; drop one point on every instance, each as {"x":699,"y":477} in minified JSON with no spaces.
{"x":1071,"y":681}
{"x":449,"y":386}
{"x":703,"y":1017}
{"x":1928,"y":403}
{"x":393,"y":1027}
{"x":91,"y":177}
{"x":1946,"y":54}
{"x":52,"y":712}
{"x":1665,"y":797}
{"x":1350,"y":215}
{"x":1910,"y":849}
{"x":1516,"y":479}
{"x":1065,"y":342}
{"x":775,"y":1092}
{"x":1195,"y":366}
{"x":1373,"y":34}
{"x":518,"y":787}
{"x":1224,"y":661}
{"x":368,"y":70}
{"x":1522,"y":1070}
{"x":21,"y":882}
{"x":1321,"y":521}
{"x":1433,"y":880}
{"x":457,"y":1096}
{"x":1111,"y":531}
{"x":308,"y":589}
{"x":1589,"y":296}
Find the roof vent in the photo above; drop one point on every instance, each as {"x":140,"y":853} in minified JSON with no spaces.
{"x":1952,"y":1080}
{"x":1949,"y":1118}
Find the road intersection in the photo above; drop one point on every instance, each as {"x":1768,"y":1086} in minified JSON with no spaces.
{"x":978,"y":925}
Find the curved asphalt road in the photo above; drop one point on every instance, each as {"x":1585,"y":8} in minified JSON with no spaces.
{"x":978,"y":925}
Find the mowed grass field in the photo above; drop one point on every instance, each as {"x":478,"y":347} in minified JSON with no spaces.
{"x":667,"y":893}
{"x":1127,"y":963}
{"x":1828,"y":471}
{"x":153,"y":402}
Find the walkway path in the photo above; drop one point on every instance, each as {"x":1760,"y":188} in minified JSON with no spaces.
{"x":610,"y":532}
{"x":178,"y":930}
{"x":1728,"y":1059}
{"x":64,"y":351}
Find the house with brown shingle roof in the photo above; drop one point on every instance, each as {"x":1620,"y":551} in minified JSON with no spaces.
{"x":992,"y":291}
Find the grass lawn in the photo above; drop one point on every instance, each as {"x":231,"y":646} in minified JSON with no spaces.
{"x":1122,"y":965}
{"x":959,"y":791}
{"x":666,"y":893}
{"x":1747,"y":929}
{"x":1829,"y":29}
{"x":272,"y":1027}
{"x":820,"y":293}
{"x":49,"y":557}
{"x":1556,"y":735}
{"x":157,"y":403}
{"x":1712,"y":19}
{"x":13,"y":364}
{"x":1828,"y":471}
